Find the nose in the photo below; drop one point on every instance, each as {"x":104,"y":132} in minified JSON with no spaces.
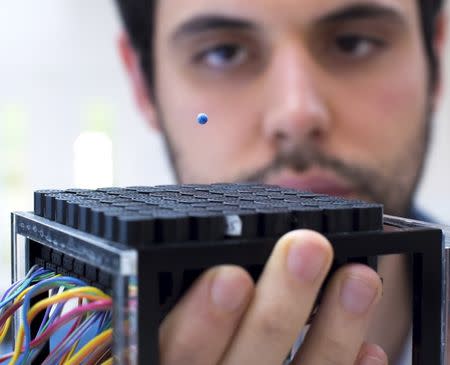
{"x":296,"y":111}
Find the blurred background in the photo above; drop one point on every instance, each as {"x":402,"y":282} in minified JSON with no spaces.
{"x":67,"y":117}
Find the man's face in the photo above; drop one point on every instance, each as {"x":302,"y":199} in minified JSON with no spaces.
{"x":329,"y":96}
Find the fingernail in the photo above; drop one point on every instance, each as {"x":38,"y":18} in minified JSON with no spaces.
{"x":371,"y":360}
{"x":357,"y":295}
{"x":306,"y":261}
{"x":227,"y":291}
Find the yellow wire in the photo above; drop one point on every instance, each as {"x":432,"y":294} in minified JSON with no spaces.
{"x":75,"y":345}
{"x":19,"y":339}
{"x":89,"y":347}
{"x":84,"y":292}
{"x":70,"y":353}
{"x":90,"y":293}
{"x":5,"y":329}
{"x":18,"y":347}
{"x":107,"y":362}
{"x":24,"y":292}
{"x":7,"y":325}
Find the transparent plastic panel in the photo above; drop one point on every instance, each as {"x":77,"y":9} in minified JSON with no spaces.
{"x":445,"y":279}
{"x":30,"y":233}
{"x":20,"y":267}
{"x":106,"y":255}
{"x":125,"y":320}
{"x":19,"y":248}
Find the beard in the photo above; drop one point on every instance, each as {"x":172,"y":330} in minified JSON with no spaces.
{"x":395,"y":189}
{"x":370,"y":184}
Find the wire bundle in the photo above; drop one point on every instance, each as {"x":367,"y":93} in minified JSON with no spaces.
{"x":75,"y":316}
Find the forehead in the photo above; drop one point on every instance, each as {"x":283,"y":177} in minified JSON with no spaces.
{"x":171,"y":13}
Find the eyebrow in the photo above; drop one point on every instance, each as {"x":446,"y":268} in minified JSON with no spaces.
{"x":205,"y":23}
{"x":363,"y":11}
{"x":208,"y":22}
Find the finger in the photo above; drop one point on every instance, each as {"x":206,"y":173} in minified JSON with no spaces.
{"x":283,"y":299}
{"x":200,"y":327}
{"x":341,"y":323}
{"x":371,"y":354}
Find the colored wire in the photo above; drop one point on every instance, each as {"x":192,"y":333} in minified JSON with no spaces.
{"x":16,"y":290}
{"x":90,"y":318}
{"x":101,"y":305}
{"x":70,"y":352}
{"x":55,"y":314}
{"x":102,"y":338}
{"x":18,"y":283}
{"x":86,"y":292}
{"x":25,"y":327}
{"x":99,"y":355}
{"x":97,"y":306}
{"x":6,"y":316}
{"x":64,"y":347}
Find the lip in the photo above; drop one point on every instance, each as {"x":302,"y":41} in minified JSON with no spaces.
{"x":317,"y":181}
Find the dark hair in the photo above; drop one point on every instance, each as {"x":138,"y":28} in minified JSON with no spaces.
{"x":138,"y":18}
{"x":429,"y":10}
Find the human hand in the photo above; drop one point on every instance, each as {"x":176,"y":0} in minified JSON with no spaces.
{"x":225,"y":319}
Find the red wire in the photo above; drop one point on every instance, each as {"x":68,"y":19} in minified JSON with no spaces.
{"x":91,"y":307}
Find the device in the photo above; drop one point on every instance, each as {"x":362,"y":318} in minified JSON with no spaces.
{"x":146,"y":245}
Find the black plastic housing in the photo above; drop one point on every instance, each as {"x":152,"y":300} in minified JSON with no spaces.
{"x":146,"y":245}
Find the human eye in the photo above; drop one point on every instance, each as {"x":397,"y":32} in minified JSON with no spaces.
{"x":223,"y":56}
{"x":357,"y":46}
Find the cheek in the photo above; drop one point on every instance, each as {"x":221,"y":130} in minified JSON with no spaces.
{"x":405,"y":100}
{"x":218,"y":149}
{"x":403,"y":106}
{"x":386,"y":119}
{"x":228,"y":121}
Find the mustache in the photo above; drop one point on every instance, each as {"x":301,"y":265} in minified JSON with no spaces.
{"x":302,"y":158}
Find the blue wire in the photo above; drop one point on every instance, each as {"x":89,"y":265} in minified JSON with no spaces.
{"x":21,"y":287}
{"x":18,"y":284}
{"x":108,"y":322}
{"x":46,"y":281}
{"x":70,"y":341}
{"x":57,"y":311}
{"x":103,"y":322}
{"x":60,"y":281}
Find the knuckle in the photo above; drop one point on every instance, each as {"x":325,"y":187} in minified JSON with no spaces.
{"x":180,"y":351}
{"x":273,"y":325}
{"x":335,"y":351}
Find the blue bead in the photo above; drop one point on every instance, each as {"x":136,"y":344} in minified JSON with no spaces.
{"x":202,"y":118}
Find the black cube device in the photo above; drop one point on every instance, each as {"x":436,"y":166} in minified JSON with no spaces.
{"x":146,"y":245}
